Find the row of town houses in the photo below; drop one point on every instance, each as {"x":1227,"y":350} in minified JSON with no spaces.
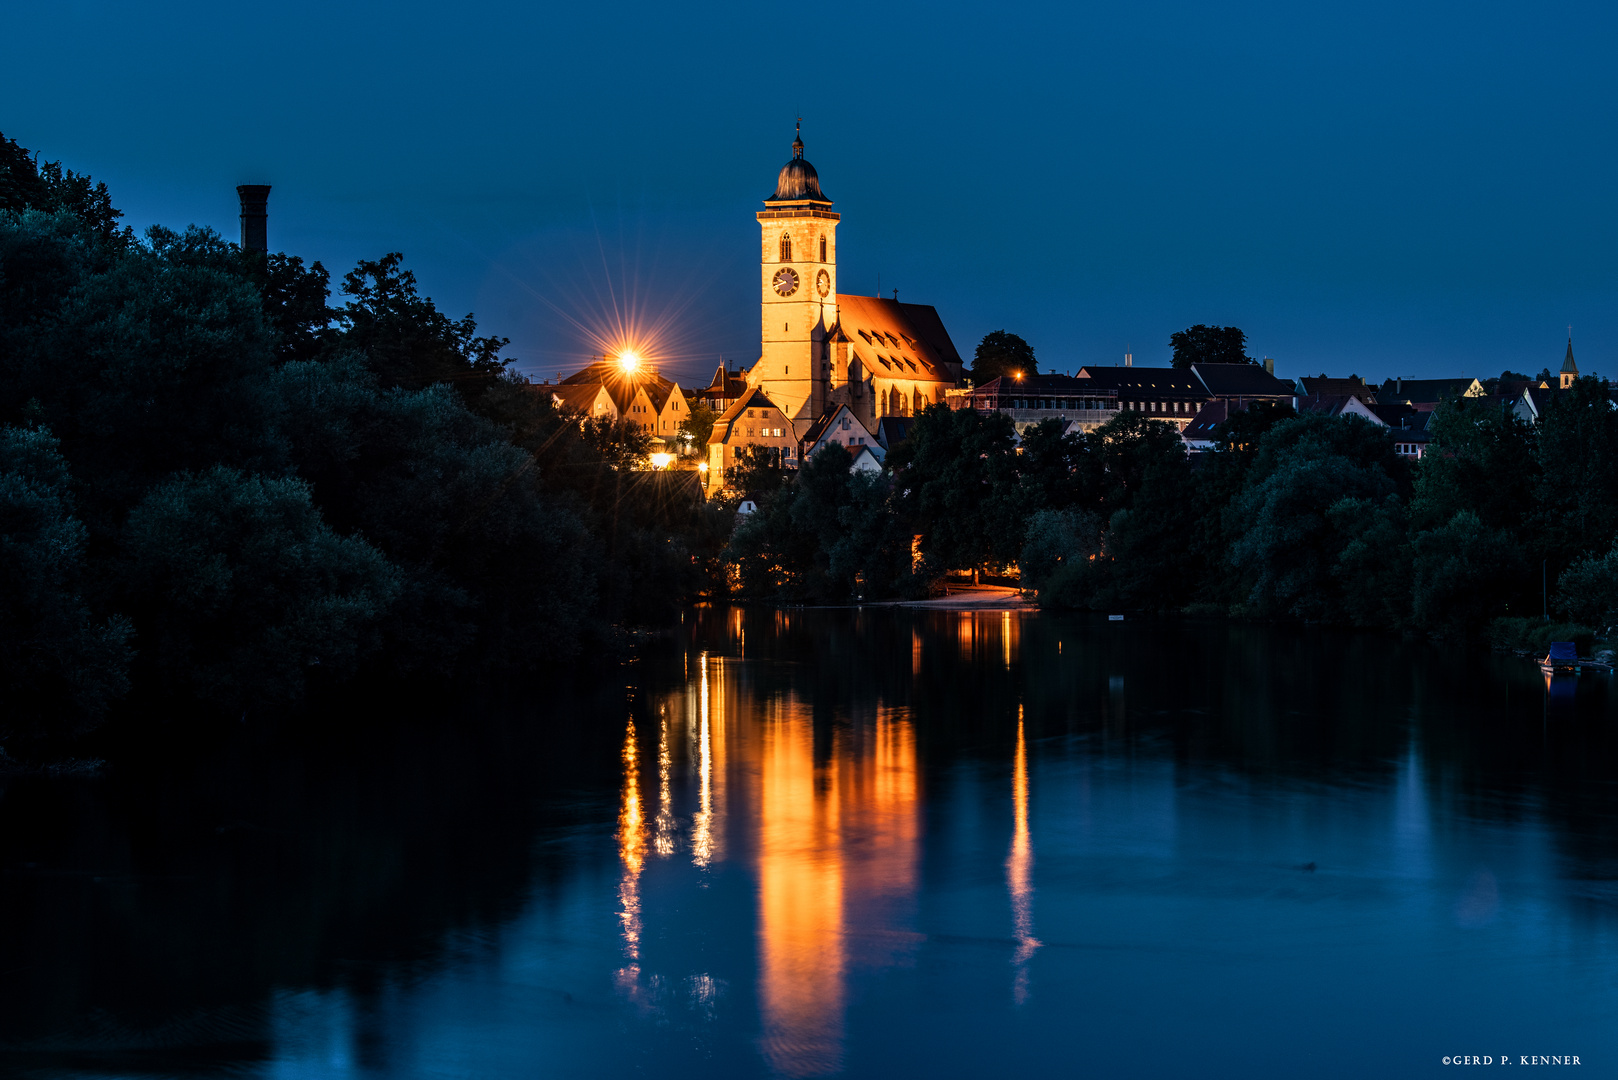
{"x":1196,"y":400}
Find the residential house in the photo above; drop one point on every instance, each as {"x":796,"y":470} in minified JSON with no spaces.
{"x":1322,"y":386}
{"x":1424,"y":395}
{"x":638,"y":396}
{"x":893,"y":430}
{"x":1199,"y":433}
{"x":842,"y":427}
{"x":1163,"y":393}
{"x":1240,"y":385}
{"x":752,"y":420}
{"x":1031,"y":399}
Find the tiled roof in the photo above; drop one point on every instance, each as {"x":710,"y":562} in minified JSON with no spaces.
{"x":1426,"y":391}
{"x":1039,"y":384}
{"x":752,"y":398}
{"x":893,"y":430}
{"x":902,"y":340}
{"x":1241,"y":380}
{"x":1322,"y":386}
{"x":1214,"y":412}
{"x":1162,"y":381}
{"x":578,"y":397}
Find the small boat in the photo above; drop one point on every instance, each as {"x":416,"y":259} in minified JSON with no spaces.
{"x":1563,"y":659}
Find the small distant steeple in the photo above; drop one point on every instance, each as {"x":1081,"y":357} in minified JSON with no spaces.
{"x":797,"y":140}
{"x":1570,"y":370}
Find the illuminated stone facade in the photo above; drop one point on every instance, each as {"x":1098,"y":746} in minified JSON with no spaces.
{"x":821,"y":349}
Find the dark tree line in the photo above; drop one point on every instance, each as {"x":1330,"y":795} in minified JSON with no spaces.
{"x":1307,"y":518}
{"x":219,"y":488}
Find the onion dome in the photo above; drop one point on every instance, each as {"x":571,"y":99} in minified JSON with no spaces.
{"x":798,"y":181}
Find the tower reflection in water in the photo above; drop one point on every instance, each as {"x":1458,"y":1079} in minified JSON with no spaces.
{"x":1020,"y":868}
{"x":832,"y":840}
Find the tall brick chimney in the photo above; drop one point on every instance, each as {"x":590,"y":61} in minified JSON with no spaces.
{"x":255,"y":216}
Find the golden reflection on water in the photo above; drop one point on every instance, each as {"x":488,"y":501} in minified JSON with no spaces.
{"x":833,"y":836}
{"x":1020,"y":867}
{"x":837,"y":845}
{"x":631,"y":847}
{"x":705,"y":847}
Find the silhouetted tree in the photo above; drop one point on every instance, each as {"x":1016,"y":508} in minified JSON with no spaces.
{"x":1202,"y":344}
{"x":1001,"y":353}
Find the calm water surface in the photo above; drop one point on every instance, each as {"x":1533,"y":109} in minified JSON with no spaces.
{"x":872,"y":844}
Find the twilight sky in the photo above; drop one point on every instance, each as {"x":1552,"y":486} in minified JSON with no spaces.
{"x":1384,"y":188}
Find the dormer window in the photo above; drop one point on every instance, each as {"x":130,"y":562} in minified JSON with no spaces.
{"x":786,"y":248}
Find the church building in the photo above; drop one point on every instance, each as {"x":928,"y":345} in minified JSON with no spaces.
{"x":822,"y":349}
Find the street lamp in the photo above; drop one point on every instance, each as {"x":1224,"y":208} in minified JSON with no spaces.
{"x":629,"y":362}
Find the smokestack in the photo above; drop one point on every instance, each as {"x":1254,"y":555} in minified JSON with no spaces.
{"x":1269,"y":365}
{"x":1128,"y":360}
{"x":255,"y":216}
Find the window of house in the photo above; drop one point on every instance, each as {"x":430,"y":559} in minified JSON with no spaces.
{"x":786,"y":248}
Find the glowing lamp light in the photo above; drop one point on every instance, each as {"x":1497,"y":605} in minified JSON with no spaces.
{"x":702,"y":466}
{"x":661,"y":461}
{"x":1017,"y":375}
{"x":629,"y":361}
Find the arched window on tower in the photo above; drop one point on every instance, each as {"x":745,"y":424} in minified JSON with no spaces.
{"x":786,"y":248}
{"x":822,"y":249}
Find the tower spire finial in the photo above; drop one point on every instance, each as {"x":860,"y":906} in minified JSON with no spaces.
{"x":797,"y":140}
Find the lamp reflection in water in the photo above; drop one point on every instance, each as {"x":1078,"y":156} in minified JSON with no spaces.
{"x":632,"y":853}
{"x":710,"y":766}
{"x":663,"y":837}
{"x":837,"y":844}
{"x":1020,"y":867}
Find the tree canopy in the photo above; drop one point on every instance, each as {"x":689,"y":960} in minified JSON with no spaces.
{"x":1002,"y":353}
{"x":1202,"y":344}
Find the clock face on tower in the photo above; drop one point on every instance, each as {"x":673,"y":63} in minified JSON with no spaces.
{"x":823,"y":283}
{"x":786,"y":281}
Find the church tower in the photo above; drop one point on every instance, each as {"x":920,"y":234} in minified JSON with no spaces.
{"x":798,"y":291}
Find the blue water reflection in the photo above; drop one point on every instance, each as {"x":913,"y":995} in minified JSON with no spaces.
{"x":886,"y":843}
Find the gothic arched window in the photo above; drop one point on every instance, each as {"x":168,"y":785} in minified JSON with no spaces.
{"x":786,"y":248}
{"x":822,"y":249}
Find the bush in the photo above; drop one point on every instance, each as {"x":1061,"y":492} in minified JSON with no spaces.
{"x":240,"y":589}
{"x":1533,"y":635}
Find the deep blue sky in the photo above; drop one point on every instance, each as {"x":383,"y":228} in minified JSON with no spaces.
{"x":1400,"y":188}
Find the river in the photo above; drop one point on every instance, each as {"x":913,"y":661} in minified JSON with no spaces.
{"x":870,"y":843}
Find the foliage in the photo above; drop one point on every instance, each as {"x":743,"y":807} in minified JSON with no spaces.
{"x":1201,"y":344}
{"x":406,"y":340}
{"x":1479,"y":457}
{"x":51,"y":189}
{"x":60,"y":665}
{"x":697,"y":426}
{"x":827,"y":536}
{"x":1578,"y":466}
{"x":1002,"y":353}
{"x":1534,"y":635}
{"x":1285,"y":536}
{"x":240,"y":589}
{"x":758,"y":470}
{"x":959,"y":486}
{"x":1056,"y":539}
{"x":1587,"y":591}
{"x":621,"y":443}
{"x":1457,"y":570}
{"x":257,"y":480}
